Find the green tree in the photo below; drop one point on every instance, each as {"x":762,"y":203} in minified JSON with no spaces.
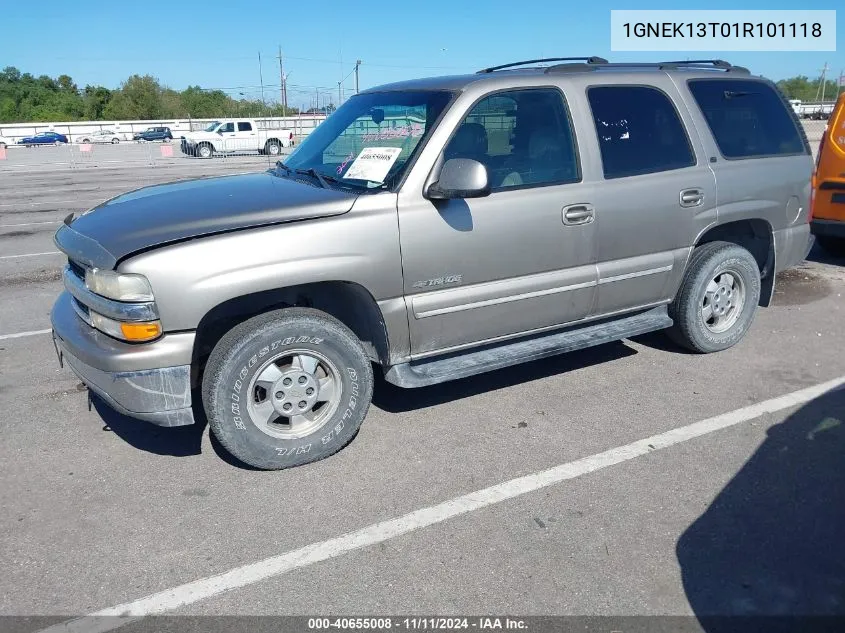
{"x":95,"y":99}
{"x":806,"y":89}
{"x":139,"y":97}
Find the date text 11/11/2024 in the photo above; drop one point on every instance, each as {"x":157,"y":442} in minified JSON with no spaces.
{"x":418,"y":624}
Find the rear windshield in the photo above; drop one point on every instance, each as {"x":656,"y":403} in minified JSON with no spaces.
{"x":747,"y":118}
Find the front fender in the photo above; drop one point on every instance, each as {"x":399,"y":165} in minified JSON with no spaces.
{"x":190,"y":278}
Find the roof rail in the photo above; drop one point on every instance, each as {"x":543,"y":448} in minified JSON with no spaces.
{"x":589,"y":60}
{"x":715,"y":64}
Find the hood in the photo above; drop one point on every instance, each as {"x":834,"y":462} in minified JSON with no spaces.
{"x":163,"y":214}
{"x":201,"y":134}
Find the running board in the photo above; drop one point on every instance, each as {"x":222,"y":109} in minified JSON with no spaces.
{"x":461,"y":365}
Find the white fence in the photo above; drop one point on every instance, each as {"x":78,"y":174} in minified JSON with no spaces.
{"x":301,"y":125}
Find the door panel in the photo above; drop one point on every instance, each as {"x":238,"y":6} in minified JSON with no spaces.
{"x":476,"y":270}
{"x":519,"y":260}
{"x":658,"y":193}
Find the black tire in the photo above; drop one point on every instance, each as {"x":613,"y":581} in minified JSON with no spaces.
{"x":708,"y":262}
{"x":237,"y":359}
{"x":115,"y":141}
{"x":273,"y":147}
{"x":833,"y":245}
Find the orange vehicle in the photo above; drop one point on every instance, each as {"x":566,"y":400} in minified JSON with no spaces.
{"x":828,"y":203}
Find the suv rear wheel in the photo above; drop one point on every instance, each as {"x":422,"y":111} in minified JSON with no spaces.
{"x":286,"y":388}
{"x":718,"y":298}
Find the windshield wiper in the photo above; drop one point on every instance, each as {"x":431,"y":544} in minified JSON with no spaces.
{"x":281,"y":165}
{"x":323,"y":180}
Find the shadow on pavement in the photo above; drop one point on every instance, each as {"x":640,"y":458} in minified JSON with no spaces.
{"x":772,"y":543}
{"x":818,"y":254}
{"x":179,"y":441}
{"x":395,"y":399}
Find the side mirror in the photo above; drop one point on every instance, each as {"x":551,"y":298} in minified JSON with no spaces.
{"x":460,"y":178}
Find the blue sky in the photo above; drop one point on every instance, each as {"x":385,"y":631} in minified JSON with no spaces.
{"x":215,"y":43}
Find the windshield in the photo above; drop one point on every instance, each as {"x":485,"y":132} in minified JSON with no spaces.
{"x":371,"y":138}
{"x":212,"y":126}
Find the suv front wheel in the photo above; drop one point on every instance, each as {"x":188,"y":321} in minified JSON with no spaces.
{"x":718,"y":298}
{"x":286,"y":388}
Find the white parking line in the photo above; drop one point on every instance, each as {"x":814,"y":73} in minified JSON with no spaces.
{"x":170,"y":599}
{"x":30,"y":223}
{"x":30,"y":255}
{"x":3,"y":337}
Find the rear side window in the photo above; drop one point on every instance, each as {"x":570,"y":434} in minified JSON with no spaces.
{"x":747,"y":118}
{"x":244,"y":126}
{"x":639,"y":131}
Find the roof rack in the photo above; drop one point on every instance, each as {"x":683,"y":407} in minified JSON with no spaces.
{"x":715,"y":64}
{"x":588,"y":60}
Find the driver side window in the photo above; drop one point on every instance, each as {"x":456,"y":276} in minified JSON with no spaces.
{"x":523,"y":137}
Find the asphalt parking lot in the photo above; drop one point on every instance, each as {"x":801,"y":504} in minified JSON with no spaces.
{"x":628,"y":479}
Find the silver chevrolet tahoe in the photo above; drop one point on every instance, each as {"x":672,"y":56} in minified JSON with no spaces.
{"x":438,"y":228}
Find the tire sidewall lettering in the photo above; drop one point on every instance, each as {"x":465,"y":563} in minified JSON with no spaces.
{"x":238,"y":416}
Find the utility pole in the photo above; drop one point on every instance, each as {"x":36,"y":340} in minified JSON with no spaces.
{"x":822,"y":82}
{"x":284,"y":83}
{"x":339,"y":94}
{"x":261,"y":79}
{"x":357,"y":64}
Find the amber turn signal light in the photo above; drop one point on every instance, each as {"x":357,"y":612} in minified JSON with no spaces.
{"x":141,"y":331}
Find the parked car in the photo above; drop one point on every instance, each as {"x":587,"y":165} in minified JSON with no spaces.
{"x":236,"y":135}
{"x":162,"y":134}
{"x":43,"y":138}
{"x":828,"y":223}
{"x":437,"y":229}
{"x":100,"y":136}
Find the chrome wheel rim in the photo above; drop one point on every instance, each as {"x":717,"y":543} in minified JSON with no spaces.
{"x":723,"y":301}
{"x":274,"y":149}
{"x":294,"y":394}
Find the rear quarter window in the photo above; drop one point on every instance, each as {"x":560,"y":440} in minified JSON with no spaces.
{"x":748,"y":118}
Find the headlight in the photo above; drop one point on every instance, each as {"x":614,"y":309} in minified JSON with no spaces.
{"x":118,"y":286}
{"x":134,"y":332}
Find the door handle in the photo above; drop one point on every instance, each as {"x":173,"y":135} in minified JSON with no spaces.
{"x":691,"y":197}
{"x":576,"y":214}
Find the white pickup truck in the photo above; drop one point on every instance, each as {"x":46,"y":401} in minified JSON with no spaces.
{"x":235,"y":135}
{"x":818,"y":110}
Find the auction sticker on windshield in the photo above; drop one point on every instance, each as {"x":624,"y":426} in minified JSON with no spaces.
{"x":373,"y":163}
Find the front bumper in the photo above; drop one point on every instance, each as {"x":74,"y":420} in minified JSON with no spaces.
{"x":148,"y":381}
